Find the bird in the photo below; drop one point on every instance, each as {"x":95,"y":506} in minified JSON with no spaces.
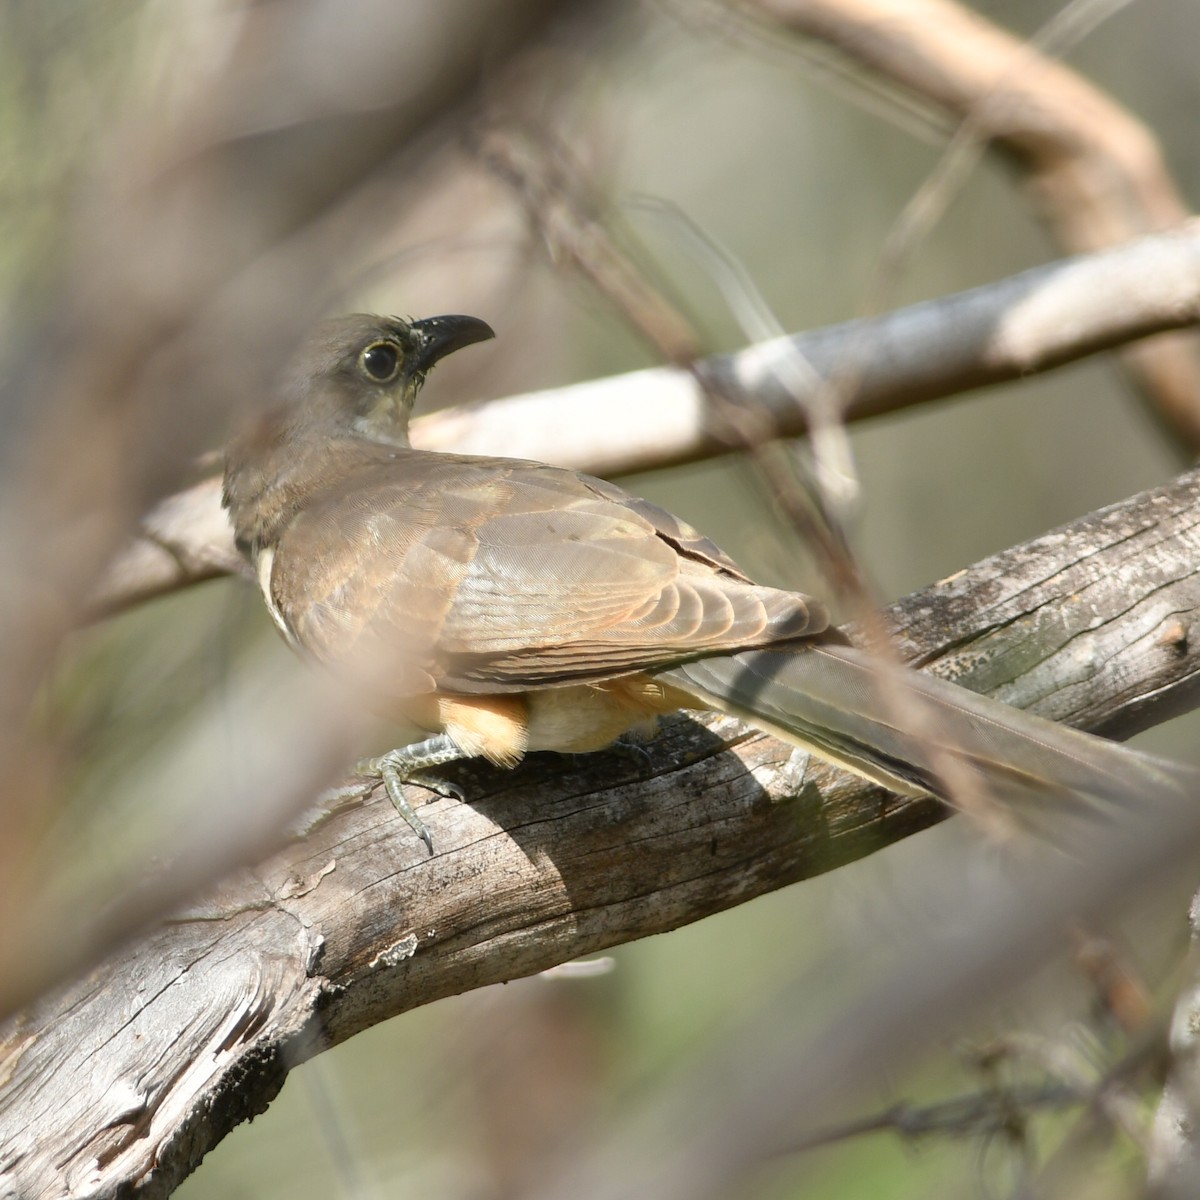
{"x":504,"y":606}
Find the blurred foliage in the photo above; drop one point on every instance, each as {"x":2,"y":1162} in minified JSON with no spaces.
{"x":63,"y":67}
{"x":802,"y":186}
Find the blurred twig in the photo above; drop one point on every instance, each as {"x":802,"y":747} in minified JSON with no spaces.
{"x":1095,"y":171}
{"x":554,"y":192}
{"x":207,"y":230}
{"x":976,"y":1114}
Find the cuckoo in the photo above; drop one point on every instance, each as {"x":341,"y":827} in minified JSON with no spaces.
{"x":504,"y":606}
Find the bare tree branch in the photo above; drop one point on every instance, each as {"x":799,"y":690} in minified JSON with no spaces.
{"x":192,"y":1028}
{"x":1096,"y":173}
{"x":1031,"y":322}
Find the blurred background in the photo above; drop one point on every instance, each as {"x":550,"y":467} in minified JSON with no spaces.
{"x":799,"y":171}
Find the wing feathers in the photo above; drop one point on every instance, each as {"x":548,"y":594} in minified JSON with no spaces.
{"x":500,"y":575}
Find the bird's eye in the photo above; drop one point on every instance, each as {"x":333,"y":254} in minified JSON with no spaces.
{"x":380,"y":362}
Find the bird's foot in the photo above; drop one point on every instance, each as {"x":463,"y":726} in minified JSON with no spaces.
{"x":632,"y":748}
{"x":412,"y":764}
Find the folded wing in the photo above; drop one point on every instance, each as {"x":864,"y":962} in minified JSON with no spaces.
{"x":483,"y":576}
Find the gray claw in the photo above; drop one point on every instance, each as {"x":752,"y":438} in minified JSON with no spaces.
{"x":439,"y":786}
{"x":409,"y":764}
{"x":633,"y":750}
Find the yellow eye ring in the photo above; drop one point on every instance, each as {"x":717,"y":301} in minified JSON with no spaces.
{"x":380,"y":362}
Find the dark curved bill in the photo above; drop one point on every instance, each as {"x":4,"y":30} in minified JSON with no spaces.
{"x":440,"y":336}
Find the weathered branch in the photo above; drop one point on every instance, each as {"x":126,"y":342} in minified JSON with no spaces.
{"x":1032,"y":322}
{"x":119,"y":1083}
{"x":1096,"y":173}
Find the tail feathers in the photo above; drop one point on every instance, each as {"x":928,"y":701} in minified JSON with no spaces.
{"x":904,"y":729}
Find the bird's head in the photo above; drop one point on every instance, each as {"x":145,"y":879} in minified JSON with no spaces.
{"x":360,"y":374}
{"x":354,"y":378}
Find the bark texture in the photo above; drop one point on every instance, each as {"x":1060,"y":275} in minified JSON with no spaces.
{"x":119,"y":1083}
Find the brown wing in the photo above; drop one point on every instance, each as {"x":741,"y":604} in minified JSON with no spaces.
{"x":489,"y":575}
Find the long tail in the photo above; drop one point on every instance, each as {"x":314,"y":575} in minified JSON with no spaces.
{"x":917,"y":734}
